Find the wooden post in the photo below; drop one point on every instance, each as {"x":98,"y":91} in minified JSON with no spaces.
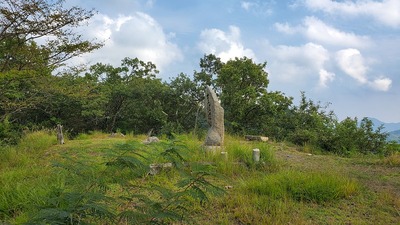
{"x":60,"y":136}
{"x":256,"y":155}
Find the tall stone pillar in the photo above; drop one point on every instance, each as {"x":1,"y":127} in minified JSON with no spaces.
{"x":215,"y":119}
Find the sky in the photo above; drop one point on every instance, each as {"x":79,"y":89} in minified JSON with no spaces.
{"x":345,"y":53}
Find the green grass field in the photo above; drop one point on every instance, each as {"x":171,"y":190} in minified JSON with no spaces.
{"x":97,"y":179}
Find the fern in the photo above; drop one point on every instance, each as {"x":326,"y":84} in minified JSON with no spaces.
{"x":74,"y":208}
{"x":85,"y":198}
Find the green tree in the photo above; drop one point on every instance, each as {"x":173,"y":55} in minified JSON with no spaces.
{"x":26,"y":66}
{"x":183,"y":103}
{"x":313,"y":124}
{"x":346,"y":135}
{"x":132,"y":95}
{"x":243,"y":84}
{"x":23,"y":22}
{"x":370,"y":140}
{"x":210,"y":67}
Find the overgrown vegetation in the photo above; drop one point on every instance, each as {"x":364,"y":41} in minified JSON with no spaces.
{"x":94,"y":179}
{"x":130,"y":98}
{"x":105,"y":180}
{"x":73,"y":185}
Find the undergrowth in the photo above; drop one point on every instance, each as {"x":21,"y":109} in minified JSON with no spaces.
{"x":98,"y":179}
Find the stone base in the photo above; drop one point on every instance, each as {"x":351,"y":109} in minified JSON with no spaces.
{"x":255,"y":138}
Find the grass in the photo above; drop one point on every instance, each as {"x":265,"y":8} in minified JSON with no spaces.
{"x":39,"y":178}
{"x":391,"y":160}
{"x":301,"y":186}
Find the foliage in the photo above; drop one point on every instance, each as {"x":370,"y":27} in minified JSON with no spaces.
{"x":118,"y":189}
{"x":29,"y":95}
{"x":23,"y":22}
{"x":131,"y":99}
{"x":103,"y":180}
{"x":131,"y":96}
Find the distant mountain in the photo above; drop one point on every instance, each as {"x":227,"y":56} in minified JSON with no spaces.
{"x":392,"y":128}
{"x":388,"y":127}
{"x":394,"y":136}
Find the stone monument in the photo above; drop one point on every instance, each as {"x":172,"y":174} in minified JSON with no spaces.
{"x":215,"y":119}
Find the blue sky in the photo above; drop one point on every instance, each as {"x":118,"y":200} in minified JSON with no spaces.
{"x":345,"y":52}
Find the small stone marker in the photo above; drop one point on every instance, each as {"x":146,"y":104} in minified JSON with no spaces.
{"x":150,"y":140}
{"x":256,"y":138}
{"x":158,"y":167}
{"x":215,"y":119}
{"x":256,"y":155}
{"x":60,"y":136}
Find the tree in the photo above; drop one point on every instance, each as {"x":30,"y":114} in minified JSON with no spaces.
{"x":36,"y":37}
{"x":132,"y":95}
{"x":184,"y":103}
{"x":313,"y":124}
{"x":210,"y":67}
{"x":243,"y":84}
{"x":23,"y":22}
{"x":370,"y":140}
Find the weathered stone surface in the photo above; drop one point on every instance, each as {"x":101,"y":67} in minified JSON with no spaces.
{"x":256,"y":138}
{"x":151,"y":140}
{"x":60,"y":136}
{"x":215,"y":119}
{"x":256,"y":155}
{"x":158,"y":167}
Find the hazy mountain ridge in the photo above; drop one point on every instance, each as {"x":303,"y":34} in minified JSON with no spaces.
{"x":392,"y":128}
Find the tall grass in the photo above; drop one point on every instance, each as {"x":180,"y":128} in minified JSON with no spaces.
{"x":24,"y":178}
{"x":391,"y":160}
{"x":31,"y":146}
{"x":300,"y":186}
{"x":37,"y":141}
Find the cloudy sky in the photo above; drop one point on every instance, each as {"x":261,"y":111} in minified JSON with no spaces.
{"x":345,"y":52}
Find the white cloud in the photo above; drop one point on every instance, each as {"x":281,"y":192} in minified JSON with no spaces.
{"x":137,"y":35}
{"x":286,"y":28}
{"x":299,"y":64}
{"x":260,"y":8}
{"x":324,"y":78}
{"x":247,"y":5}
{"x":226,"y":45}
{"x":320,"y":32}
{"x":386,"y":12}
{"x":353,"y":64}
{"x":316,"y":30}
{"x":381,"y":84}
{"x":310,"y":55}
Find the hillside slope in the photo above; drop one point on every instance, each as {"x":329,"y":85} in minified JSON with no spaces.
{"x":288,"y":186}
